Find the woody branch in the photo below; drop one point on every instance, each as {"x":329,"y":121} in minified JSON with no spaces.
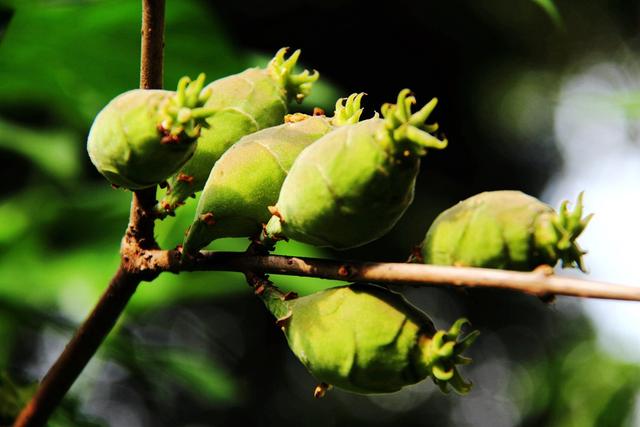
{"x":541,"y":282}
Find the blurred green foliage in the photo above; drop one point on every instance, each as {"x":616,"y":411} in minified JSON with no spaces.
{"x":550,"y":8}
{"x":61,"y":224}
{"x":198,"y":337}
{"x":14,"y":397}
{"x":578,"y":386}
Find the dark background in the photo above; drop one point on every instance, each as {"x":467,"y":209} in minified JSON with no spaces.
{"x":199,"y":349}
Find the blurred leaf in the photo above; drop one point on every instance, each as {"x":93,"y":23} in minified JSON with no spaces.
{"x":75,"y":73}
{"x":87,"y":215}
{"x":195,"y":373}
{"x":619,"y":405}
{"x":13,"y":222}
{"x":5,"y":16}
{"x":550,"y":8}
{"x":65,"y":418}
{"x":72,"y":280}
{"x":12,"y":398}
{"x":53,"y":151}
{"x":579,"y":386}
{"x":8,"y":326}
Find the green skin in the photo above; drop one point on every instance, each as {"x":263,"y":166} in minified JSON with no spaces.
{"x":248,"y":177}
{"x":354,"y":190}
{"x":143,"y":136}
{"x":506,"y":230}
{"x":124,"y":141}
{"x":366,"y":339}
{"x":358,"y":180}
{"x":244,"y":103}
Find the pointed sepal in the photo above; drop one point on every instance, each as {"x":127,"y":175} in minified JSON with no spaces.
{"x":441,"y":353}
{"x":407,"y":132}
{"x":281,"y":68}
{"x":184,"y":114}
{"x":568,"y":226}
{"x":348,"y":110}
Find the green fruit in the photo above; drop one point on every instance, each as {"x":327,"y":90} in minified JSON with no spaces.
{"x":144,"y":136}
{"x":366,"y":339}
{"x":244,"y":103}
{"x":508,"y":230}
{"x":352,"y":185}
{"x":248,"y":176}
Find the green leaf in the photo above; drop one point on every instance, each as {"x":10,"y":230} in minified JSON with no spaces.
{"x":53,"y":151}
{"x":75,"y":73}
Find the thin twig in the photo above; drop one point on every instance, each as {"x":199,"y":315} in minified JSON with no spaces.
{"x":138,"y":238}
{"x":540,"y":282}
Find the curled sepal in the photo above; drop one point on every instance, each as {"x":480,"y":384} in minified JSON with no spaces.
{"x":408,"y":133}
{"x":183,"y":114}
{"x":568,"y":227}
{"x":442,"y":352}
{"x":348,"y":110}
{"x":298,"y":85}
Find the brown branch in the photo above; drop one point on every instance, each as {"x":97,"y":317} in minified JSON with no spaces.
{"x":138,"y":239}
{"x":152,"y":44}
{"x":540,"y":282}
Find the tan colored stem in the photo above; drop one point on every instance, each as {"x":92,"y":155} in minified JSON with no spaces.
{"x":541,"y":282}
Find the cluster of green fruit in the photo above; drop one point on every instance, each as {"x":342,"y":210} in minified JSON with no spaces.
{"x":337,"y":182}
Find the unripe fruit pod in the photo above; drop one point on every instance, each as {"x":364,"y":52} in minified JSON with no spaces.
{"x":507,"y":230}
{"x":367,"y":339}
{"x":352,"y":185}
{"x":144,"y":136}
{"x":248,"y":176}
{"x":244,"y":103}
